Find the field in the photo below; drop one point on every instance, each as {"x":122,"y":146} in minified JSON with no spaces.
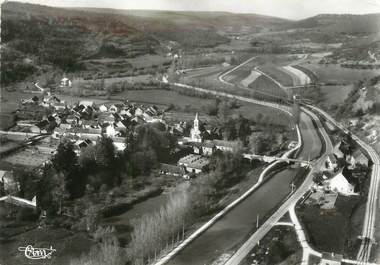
{"x":279,"y":246}
{"x":162,"y":97}
{"x":238,"y":75}
{"x":335,"y":94}
{"x":250,"y":79}
{"x":67,"y":244}
{"x":332,"y":230}
{"x":336,"y":75}
{"x":28,"y":157}
{"x":266,"y":86}
{"x":204,"y":71}
{"x":299,"y":78}
{"x":278,"y":74}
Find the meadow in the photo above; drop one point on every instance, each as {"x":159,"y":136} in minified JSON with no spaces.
{"x":334,"y":74}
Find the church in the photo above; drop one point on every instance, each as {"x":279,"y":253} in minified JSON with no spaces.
{"x":206,"y":147}
{"x":195,"y":133}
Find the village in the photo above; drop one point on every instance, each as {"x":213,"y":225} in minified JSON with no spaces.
{"x":45,"y":121}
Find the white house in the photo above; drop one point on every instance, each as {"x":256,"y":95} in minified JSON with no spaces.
{"x":331,"y":162}
{"x":113,"y":109}
{"x":340,"y":184}
{"x":139,"y":112}
{"x":110,"y":130}
{"x":194,"y":163}
{"x":86,"y":103}
{"x":102,"y":108}
{"x":351,"y":163}
{"x":65,"y":82}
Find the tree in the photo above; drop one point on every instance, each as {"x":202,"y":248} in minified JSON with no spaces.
{"x":58,"y":190}
{"x":65,"y":158}
{"x":105,"y":152}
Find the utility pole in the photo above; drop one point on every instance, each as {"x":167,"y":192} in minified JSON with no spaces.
{"x":257,"y":221}
{"x":292,"y":186}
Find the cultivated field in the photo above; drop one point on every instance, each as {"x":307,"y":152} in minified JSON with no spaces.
{"x":279,"y":74}
{"x":266,"y":86}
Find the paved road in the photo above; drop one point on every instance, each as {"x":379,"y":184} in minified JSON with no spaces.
{"x":231,"y":229}
{"x":372,"y":200}
{"x":244,"y":250}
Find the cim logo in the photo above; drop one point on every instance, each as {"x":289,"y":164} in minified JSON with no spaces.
{"x":37,"y":253}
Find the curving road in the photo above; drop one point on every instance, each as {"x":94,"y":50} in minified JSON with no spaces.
{"x":228,"y":232}
{"x":372,"y":200}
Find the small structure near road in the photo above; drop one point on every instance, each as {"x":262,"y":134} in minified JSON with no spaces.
{"x":65,"y":82}
{"x":331,"y":259}
{"x":331,"y":162}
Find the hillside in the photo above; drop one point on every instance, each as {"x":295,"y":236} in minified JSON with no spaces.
{"x":348,"y":24}
{"x":96,"y":42}
{"x":37,"y":39}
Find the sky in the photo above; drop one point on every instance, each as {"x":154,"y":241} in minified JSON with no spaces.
{"x":291,"y":9}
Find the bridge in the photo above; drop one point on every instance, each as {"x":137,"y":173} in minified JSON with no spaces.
{"x":270,"y":159}
{"x":19,"y":201}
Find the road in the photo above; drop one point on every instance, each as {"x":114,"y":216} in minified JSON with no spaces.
{"x":244,"y":250}
{"x":221,"y":77}
{"x":368,"y":230}
{"x":306,"y":249}
{"x":225,"y":234}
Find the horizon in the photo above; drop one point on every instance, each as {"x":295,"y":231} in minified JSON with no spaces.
{"x":285,"y":10}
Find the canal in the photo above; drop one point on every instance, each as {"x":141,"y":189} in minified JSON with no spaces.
{"x":231,"y":230}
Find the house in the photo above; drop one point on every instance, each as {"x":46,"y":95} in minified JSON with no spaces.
{"x":331,"y":162}
{"x":360,"y":158}
{"x":138,"y":111}
{"x":208,"y":148}
{"x":177,"y":171}
{"x":226,"y":146}
{"x":111,"y":131}
{"x":337,"y":152}
{"x":65,"y":82}
{"x":83,"y":143}
{"x":113,"y":109}
{"x":340,"y":184}
{"x":72,"y":119}
{"x":147,"y":117}
{"x":86,"y":103}
{"x":331,"y":259}
{"x":103,"y":108}
{"x":194,"y":163}
{"x":350,"y":162}
{"x":7,"y":182}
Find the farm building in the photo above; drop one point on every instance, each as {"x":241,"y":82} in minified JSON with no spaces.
{"x":340,"y":184}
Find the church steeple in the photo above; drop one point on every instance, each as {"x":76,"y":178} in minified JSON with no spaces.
{"x":195,"y":133}
{"x":196,"y":122}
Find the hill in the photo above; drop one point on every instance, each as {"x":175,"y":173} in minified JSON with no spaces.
{"x":39,"y":38}
{"x":348,"y":24}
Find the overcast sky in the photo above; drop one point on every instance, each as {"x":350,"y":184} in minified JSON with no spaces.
{"x":293,"y":9}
